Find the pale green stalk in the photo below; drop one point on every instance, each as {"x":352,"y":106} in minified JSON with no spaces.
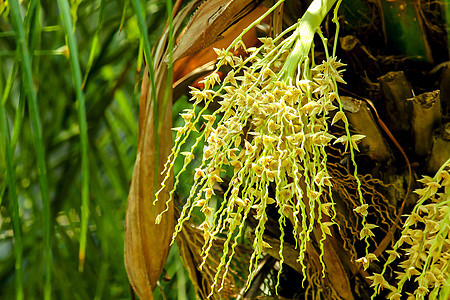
{"x":336,"y":21}
{"x":304,"y":34}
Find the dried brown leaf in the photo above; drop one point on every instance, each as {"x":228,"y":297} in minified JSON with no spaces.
{"x":209,"y":22}
{"x":146,"y":243}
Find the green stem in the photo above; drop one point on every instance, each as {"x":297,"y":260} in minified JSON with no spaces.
{"x":304,"y":34}
{"x":76,"y":75}
{"x":336,"y":21}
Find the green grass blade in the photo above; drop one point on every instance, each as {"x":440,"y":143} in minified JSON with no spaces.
{"x":148,"y":58}
{"x":112,"y":124}
{"x":140,"y":58}
{"x":127,"y":112}
{"x":31,"y":22}
{"x":9,"y":83}
{"x":20,"y":112}
{"x":170,"y":46}
{"x":138,"y":10}
{"x":34,"y":34}
{"x":76,"y":75}
{"x":124,"y":14}
{"x":18,"y":122}
{"x":14,"y":202}
{"x":38,"y":141}
{"x":111,"y":173}
{"x":102,"y":277}
{"x":95,"y":41}
{"x":7,"y":34}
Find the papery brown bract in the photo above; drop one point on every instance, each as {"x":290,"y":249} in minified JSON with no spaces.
{"x":147,"y":244}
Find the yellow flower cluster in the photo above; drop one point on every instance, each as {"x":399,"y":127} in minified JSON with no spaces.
{"x":271,"y":133}
{"x":425,"y":242}
{"x":268,"y":129}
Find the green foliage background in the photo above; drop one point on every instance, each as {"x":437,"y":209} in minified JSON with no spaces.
{"x":34,"y":222}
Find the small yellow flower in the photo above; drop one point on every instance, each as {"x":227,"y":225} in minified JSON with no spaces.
{"x":206,"y":210}
{"x":312,"y":107}
{"x":200,"y":202}
{"x":208,"y":193}
{"x":340,"y":115}
{"x":198,"y":173}
{"x":188,"y":157}
{"x":180,"y":131}
{"x":198,"y":95}
{"x":237,"y":165}
{"x":214,"y":178}
{"x":395,"y":296}
{"x":378,"y":281}
{"x":205,"y":226}
{"x":207,"y":153}
{"x":367,"y":231}
{"x":209,"y":118}
{"x":238,"y":201}
{"x":393,"y":255}
{"x":272,"y":126}
{"x":362,"y":210}
{"x":249,"y":149}
{"x":268,"y":140}
{"x":187,"y":117}
{"x":257,"y":169}
{"x":270,"y":175}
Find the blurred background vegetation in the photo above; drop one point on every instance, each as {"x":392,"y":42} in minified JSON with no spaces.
{"x":41,"y":212}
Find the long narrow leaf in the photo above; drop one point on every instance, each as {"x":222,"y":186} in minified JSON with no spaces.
{"x":38,"y":142}
{"x":95,"y":41}
{"x":20,"y":112}
{"x":9,"y":83}
{"x":124,"y":13}
{"x":147,"y":50}
{"x":149,"y":60}
{"x":170,"y":57}
{"x":14,"y":202}
{"x":18,"y":122}
{"x":76,"y":75}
